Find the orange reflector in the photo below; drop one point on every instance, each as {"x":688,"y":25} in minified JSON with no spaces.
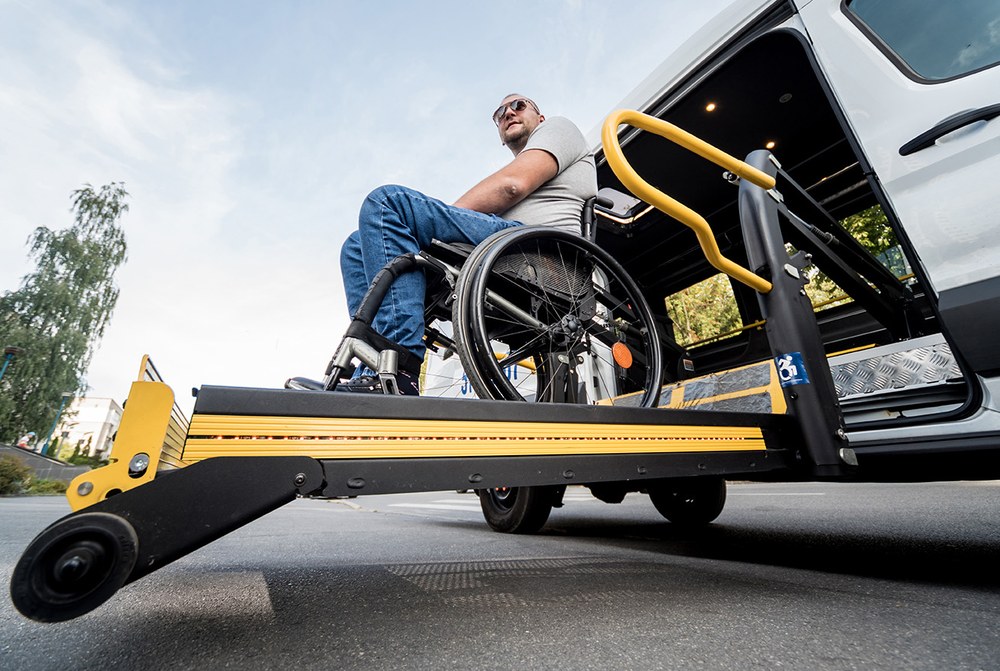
{"x":622,"y":354}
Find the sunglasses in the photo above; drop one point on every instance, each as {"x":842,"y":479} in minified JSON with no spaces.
{"x":518,"y":105}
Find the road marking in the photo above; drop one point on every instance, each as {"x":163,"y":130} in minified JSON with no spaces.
{"x":437,"y":506}
{"x":568,"y":497}
{"x":777,"y":494}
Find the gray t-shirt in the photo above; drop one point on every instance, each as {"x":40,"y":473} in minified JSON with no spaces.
{"x":559,"y":202}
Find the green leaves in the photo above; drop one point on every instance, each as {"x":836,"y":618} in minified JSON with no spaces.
{"x":871,"y":229}
{"x":59,"y":313}
{"x":708,"y":310}
{"x":705,"y":310}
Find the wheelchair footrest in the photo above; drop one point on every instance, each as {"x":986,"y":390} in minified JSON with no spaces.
{"x":304,"y":384}
{"x":362,"y":331}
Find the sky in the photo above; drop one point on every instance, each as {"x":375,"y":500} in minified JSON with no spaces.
{"x":248,"y":133}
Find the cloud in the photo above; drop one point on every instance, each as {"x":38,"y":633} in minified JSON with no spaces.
{"x":981,"y":51}
{"x":248,"y":139}
{"x":83,"y":112}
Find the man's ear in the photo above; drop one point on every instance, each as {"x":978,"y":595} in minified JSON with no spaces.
{"x":541,"y":118}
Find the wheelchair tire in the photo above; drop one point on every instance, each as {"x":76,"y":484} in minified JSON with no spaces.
{"x":464,"y":343}
{"x":564,"y":304}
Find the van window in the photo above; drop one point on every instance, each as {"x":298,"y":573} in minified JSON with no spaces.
{"x":871,"y":229}
{"x":936,"y":40}
{"x":704,"y":311}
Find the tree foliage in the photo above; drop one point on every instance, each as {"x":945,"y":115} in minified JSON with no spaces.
{"x":59,"y":313}
{"x":871,"y":229}
{"x":704,"y":310}
{"x":14,"y":475}
{"x":708,"y":309}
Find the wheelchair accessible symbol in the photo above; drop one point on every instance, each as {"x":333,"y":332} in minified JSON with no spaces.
{"x":791,"y":369}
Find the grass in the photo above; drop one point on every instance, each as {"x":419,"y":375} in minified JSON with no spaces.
{"x":46,"y":487}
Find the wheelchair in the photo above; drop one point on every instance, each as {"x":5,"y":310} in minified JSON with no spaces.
{"x":545,"y":299}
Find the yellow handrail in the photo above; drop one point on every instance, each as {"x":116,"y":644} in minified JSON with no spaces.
{"x":661,"y":201}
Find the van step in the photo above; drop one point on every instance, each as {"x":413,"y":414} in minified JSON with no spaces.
{"x":910,"y":364}
{"x":910,"y":369}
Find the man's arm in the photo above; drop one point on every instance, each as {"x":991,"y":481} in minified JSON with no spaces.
{"x":512,"y":183}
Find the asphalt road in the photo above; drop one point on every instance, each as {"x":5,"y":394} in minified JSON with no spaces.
{"x":791,"y":576}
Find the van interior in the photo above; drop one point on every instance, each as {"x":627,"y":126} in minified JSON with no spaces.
{"x":890,"y":362}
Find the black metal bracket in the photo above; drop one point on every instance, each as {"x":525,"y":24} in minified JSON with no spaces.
{"x":841,"y":257}
{"x":792,"y":331}
{"x":183,"y":510}
{"x":80,"y":561}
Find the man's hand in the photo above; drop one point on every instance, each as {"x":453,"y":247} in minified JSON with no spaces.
{"x":511,"y":184}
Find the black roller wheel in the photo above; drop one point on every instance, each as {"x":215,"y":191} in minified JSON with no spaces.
{"x":563,"y":306}
{"x":74,"y":566}
{"x":691,"y":502}
{"x":517,"y":510}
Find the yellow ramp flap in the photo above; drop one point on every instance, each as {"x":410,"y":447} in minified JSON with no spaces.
{"x":150,"y":438}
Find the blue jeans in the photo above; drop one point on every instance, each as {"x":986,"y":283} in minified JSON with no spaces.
{"x":396,"y":220}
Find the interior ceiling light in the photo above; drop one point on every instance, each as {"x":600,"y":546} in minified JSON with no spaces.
{"x":710,"y":107}
{"x":770,"y":144}
{"x":785,"y":98}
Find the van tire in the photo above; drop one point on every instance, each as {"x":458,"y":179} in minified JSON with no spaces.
{"x":689,"y":502}
{"x":517,"y":510}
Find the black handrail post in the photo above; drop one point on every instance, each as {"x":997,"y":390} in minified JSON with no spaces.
{"x":793,"y":332}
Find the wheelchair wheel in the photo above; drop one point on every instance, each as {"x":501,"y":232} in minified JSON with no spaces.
{"x":556,"y":303}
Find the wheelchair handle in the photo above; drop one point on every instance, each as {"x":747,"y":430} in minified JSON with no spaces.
{"x":671,"y":207}
{"x":588,"y":228}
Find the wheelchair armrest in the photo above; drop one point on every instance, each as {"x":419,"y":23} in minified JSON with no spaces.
{"x":588,"y":227}
{"x":454,"y":253}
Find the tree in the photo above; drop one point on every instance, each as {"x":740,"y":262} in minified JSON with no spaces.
{"x":59,"y":313}
{"x":704,"y":310}
{"x":708,"y":309}
{"x":871,"y":229}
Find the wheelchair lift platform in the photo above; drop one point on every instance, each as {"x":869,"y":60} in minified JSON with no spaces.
{"x":249,"y":451}
{"x":381,"y":445}
{"x":176,"y":485}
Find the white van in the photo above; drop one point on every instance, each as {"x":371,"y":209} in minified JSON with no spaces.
{"x":873,"y":109}
{"x":882,"y":115}
{"x":877,"y":121}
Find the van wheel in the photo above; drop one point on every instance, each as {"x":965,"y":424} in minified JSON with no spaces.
{"x":689,"y":502}
{"x":517,"y":510}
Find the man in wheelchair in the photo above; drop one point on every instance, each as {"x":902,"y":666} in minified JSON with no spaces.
{"x":547,"y":183}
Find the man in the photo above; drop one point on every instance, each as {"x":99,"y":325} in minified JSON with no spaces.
{"x":551,"y":176}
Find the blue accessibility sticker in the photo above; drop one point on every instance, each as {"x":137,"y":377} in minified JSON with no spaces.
{"x":791,"y":369}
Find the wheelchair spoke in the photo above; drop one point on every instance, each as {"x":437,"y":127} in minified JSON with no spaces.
{"x":564,"y":304}
{"x":549,"y":299}
{"x":616,"y":304}
{"x":526,"y":351}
